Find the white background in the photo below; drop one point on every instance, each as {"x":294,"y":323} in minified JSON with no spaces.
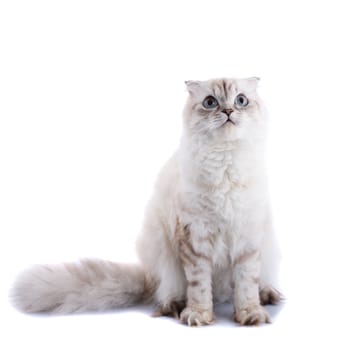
{"x":91,"y":95}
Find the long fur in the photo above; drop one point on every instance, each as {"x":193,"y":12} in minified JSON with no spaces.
{"x":207,"y":234}
{"x":87,"y":285}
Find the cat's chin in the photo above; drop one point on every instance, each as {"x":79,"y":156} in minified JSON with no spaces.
{"x":227,"y":132}
{"x":230,"y":129}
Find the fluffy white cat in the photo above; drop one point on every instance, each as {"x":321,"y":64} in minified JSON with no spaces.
{"x":207,"y":235}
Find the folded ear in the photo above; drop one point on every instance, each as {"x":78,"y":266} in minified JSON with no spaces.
{"x":254,"y":81}
{"x":191,"y":82}
{"x":192,"y":86}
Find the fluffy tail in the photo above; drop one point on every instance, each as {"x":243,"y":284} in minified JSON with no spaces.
{"x":88,"y":285}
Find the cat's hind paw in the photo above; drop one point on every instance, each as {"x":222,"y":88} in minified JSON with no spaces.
{"x":196,"y":317}
{"x":252,"y":316}
{"x":172,"y":309}
{"x":270,"y":295}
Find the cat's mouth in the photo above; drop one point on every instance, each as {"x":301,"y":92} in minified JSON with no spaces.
{"x":229,"y":121}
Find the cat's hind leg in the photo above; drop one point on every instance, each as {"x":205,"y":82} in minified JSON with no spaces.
{"x":170,"y":296}
{"x":159,"y":257}
{"x":270,"y":261}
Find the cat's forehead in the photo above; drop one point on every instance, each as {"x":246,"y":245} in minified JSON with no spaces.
{"x":224,"y":88}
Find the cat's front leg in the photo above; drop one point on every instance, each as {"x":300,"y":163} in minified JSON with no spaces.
{"x":246,"y":299}
{"x":195,"y":256}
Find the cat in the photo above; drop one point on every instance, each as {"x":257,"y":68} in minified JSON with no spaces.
{"x":207,"y":234}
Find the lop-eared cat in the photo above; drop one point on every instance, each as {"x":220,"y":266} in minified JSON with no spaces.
{"x":207,"y":235}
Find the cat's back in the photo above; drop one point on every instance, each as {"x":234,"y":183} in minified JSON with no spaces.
{"x":160,"y":221}
{"x":161,"y":206}
{"x":168,"y":179}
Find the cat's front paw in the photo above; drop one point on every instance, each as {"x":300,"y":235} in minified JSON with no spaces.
{"x":196,"y":317}
{"x":251,"y":316}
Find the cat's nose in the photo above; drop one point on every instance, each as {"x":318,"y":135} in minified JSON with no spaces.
{"x":227,"y":111}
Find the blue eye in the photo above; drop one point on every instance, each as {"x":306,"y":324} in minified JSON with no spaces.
{"x":210,"y":102}
{"x":241,"y":101}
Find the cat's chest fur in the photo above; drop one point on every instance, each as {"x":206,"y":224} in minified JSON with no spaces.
{"x":222,"y":198}
{"x":221,"y":184}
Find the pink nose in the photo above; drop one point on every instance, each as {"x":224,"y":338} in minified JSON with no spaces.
{"x":227,"y":111}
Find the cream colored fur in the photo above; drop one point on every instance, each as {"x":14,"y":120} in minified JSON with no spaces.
{"x":207,"y":234}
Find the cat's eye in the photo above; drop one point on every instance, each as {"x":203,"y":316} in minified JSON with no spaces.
{"x":210,"y":102}
{"x":241,"y":101}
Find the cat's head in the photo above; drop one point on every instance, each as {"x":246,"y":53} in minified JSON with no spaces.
{"x":229,"y":109}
